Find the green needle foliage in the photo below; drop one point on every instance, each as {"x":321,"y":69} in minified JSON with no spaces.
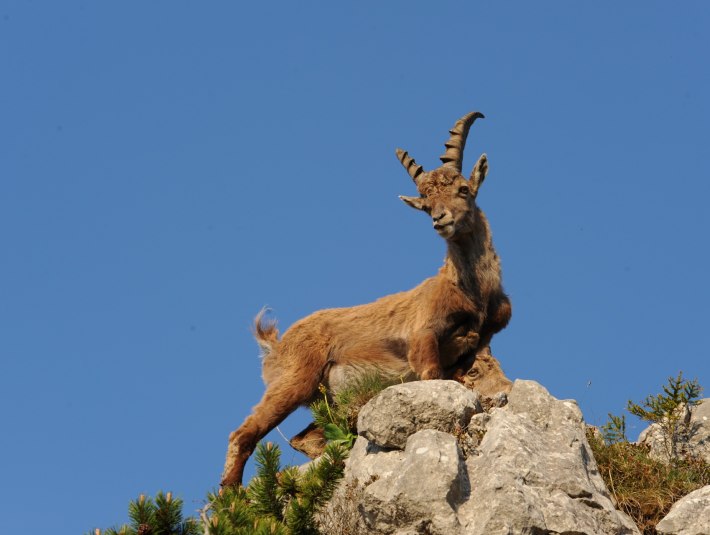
{"x":614,"y":431}
{"x":263,"y":489}
{"x":160,"y":517}
{"x":277,"y":501}
{"x":233,"y":513}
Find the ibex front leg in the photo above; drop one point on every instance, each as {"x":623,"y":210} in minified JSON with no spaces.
{"x":498,"y":316}
{"x":423,"y":354}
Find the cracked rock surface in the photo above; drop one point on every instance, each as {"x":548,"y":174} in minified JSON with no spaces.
{"x":689,"y":516}
{"x":398,"y":412}
{"x":528,"y":468}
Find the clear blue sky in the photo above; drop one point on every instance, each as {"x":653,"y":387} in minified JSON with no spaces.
{"x":168,"y":168}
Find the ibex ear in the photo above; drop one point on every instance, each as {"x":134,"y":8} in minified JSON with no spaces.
{"x":415,"y":202}
{"x":478,"y":175}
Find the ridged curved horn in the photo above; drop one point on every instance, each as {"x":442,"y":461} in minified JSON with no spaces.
{"x":415,"y":170}
{"x":453,"y":156}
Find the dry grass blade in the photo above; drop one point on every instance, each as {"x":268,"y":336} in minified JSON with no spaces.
{"x":645,"y":488}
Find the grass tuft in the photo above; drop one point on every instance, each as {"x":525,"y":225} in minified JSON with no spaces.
{"x":341,"y":410}
{"x":645,"y":488}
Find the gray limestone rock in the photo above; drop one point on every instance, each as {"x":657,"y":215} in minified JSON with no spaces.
{"x":531,"y":471}
{"x":535,"y":472}
{"x":399,"y":411}
{"x":422,"y":493}
{"x":689,"y":516}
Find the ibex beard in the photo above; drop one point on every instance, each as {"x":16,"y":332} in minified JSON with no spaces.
{"x":428,"y":332}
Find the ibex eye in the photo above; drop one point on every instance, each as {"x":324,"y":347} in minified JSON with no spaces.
{"x":463,"y":190}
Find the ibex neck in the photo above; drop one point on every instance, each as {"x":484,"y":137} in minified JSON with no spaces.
{"x":471,"y":262}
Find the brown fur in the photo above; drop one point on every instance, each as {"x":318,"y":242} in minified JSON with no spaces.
{"x":311,"y":441}
{"x":484,"y":375}
{"x":432,"y":331}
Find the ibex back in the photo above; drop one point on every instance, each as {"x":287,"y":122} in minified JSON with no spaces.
{"x":422,"y":333}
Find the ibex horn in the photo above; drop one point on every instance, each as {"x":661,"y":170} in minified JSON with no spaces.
{"x":414,"y":170}
{"x":454,"y":146}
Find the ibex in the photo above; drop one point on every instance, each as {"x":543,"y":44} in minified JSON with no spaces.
{"x":424,"y":332}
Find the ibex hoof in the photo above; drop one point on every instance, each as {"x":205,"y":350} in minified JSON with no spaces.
{"x":234,"y":466}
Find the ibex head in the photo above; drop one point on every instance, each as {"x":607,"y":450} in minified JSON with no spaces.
{"x":444,"y":193}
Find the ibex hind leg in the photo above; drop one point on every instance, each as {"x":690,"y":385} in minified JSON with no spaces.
{"x":281,"y":398}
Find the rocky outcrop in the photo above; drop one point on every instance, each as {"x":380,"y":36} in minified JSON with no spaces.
{"x":689,"y":516}
{"x":390,"y":418}
{"x":525,"y":468}
{"x":694,"y":439}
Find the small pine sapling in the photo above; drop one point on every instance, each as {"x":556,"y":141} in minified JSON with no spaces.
{"x":671,"y":412}
{"x":160,"y":517}
{"x":614,"y":430}
{"x":276,"y":501}
{"x":231,"y":512}
{"x":262,"y":491}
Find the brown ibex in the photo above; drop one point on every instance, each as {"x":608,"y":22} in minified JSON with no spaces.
{"x":423,"y":332}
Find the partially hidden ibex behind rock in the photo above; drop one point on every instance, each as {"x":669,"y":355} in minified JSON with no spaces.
{"x":424,"y":332}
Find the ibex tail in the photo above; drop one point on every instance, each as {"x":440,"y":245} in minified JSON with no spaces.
{"x":266,"y":333}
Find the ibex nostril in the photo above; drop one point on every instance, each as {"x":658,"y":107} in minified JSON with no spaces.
{"x":439,"y":216}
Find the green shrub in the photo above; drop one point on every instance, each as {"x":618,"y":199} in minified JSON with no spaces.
{"x":160,"y":517}
{"x":277,"y":501}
